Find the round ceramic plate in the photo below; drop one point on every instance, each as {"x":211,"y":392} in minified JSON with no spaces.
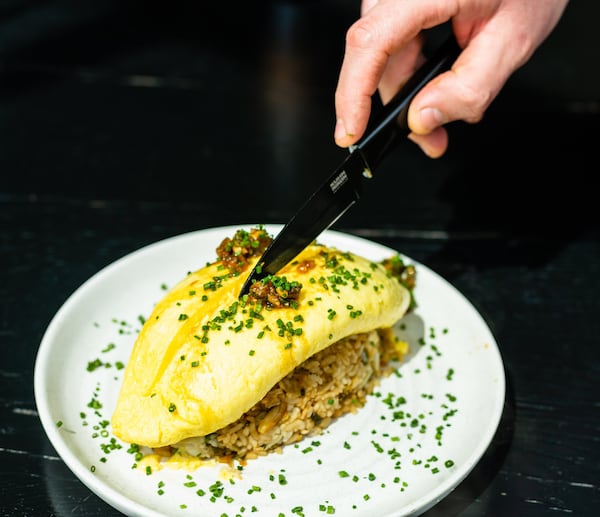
{"x":418,"y":436}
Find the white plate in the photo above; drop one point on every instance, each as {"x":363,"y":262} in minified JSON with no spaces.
{"x":393,"y":469}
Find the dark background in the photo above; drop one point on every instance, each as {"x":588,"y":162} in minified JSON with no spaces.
{"x":126,"y":122}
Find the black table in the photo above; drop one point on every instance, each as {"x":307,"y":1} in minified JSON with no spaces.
{"x":124,"y":123}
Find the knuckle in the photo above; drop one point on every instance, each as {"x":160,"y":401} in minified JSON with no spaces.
{"x":475,"y":102}
{"x":361,"y":35}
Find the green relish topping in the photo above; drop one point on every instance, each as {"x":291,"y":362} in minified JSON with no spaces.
{"x":405,"y":273}
{"x":234,"y":253}
{"x":275,"y":291}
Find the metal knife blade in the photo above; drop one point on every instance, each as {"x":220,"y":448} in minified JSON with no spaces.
{"x":344,"y":187}
{"x":337,"y":194}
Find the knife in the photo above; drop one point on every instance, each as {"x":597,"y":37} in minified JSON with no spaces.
{"x":343,"y":188}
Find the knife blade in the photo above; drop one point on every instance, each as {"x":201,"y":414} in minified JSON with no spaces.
{"x":343,"y":188}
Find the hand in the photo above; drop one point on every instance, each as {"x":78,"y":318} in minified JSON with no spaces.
{"x":383,"y":48}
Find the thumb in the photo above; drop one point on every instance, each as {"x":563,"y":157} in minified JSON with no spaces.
{"x":466,"y":90}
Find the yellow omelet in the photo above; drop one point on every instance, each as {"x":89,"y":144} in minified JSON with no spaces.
{"x":204,"y":357}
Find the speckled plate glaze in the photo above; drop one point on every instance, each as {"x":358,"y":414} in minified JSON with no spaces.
{"x":416,"y":439}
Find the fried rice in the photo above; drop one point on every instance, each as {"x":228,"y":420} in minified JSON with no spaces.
{"x":332,"y":383}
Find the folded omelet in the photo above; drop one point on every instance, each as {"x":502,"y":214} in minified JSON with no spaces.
{"x":204,"y":357}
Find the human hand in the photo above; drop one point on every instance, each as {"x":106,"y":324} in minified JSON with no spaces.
{"x":383,"y":49}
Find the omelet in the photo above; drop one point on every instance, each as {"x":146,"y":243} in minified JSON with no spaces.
{"x":204,"y":357}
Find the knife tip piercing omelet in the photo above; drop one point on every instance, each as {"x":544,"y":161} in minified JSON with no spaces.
{"x":222,"y":377}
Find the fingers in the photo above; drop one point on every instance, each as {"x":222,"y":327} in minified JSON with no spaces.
{"x":434,"y":144}
{"x":385,"y":30}
{"x":364,"y":62}
{"x":383,"y":49}
{"x":399,"y":68}
{"x":366,"y":5}
{"x":466,"y":91}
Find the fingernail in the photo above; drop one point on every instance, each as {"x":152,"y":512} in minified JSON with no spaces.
{"x":340,"y":134}
{"x":340,"y":130}
{"x":431,"y":118}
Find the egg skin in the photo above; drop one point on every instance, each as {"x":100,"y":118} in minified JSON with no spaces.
{"x":203,"y":358}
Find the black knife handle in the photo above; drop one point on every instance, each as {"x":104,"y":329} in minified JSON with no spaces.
{"x":390,"y":124}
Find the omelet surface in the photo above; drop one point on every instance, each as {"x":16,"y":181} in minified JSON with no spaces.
{"x":203,"y":358}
